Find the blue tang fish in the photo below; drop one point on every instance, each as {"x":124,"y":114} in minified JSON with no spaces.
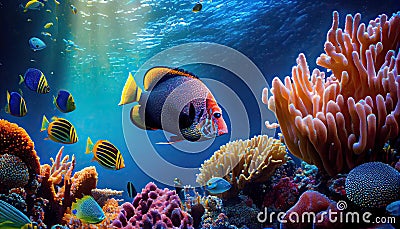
{"x":36,"y":44}
{"x":88,"y":210}
{"x":35,"y":81}
{"x":16,"y":105}
{"x":12,"y":218}
{"x":394,"y":208}
{"x":217,"y":185}
{"x":64,"y":101}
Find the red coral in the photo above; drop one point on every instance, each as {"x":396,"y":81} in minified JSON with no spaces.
{"x":283,"y":195}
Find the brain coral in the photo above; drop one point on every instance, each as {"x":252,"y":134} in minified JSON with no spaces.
{"x":15,"y":141}
{"x":13,"y":172}
{"x":373,"y":184}
{"x":242,"y":162}
{"x":342,"y":120}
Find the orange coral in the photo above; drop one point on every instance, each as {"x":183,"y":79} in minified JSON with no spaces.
{"x":345,"y":119}
{"x":83,"y":182}
{"x":14,"y":140}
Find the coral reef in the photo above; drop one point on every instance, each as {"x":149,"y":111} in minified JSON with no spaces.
{"x":311,"y":202}
{"x":373,"y":185}
{"x":103,"y":195}
{"x":240,"y":215}
{"x":282,"y":196}
{"x":60,"y":188}
{"x":153,"y":208}
{"x":13,"y":172}
{"x":15,"y":141}
{"x":243,"y":162}
{"x":343,"y":120}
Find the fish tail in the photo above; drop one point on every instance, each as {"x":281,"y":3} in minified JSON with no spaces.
{"x":89,"y":146}
{"x":21,"y":79}
{"x":131,"y":92}
{"x":7,"y":107}
{"x":45,"y":124}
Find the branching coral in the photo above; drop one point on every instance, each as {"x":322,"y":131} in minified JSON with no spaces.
{"x":103,"y":195}
{"x":242,"y":162}
{"x":14,"y":140}
{"x":345,"y":119}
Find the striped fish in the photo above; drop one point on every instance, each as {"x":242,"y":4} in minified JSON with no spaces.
{"x":60,"y":130}
{"x":12,"y":218}
{"x":106,"y":154}
{"x":35,"y":81}
{"x":131,"y":190}
{"x":16,"y":105}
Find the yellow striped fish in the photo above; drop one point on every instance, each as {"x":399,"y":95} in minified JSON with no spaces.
{"x":59,"y":130}
{"x":35,"y":81}
{"x":106,"y":154}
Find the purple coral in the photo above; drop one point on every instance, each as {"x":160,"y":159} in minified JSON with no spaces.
{"x":153,"y":208}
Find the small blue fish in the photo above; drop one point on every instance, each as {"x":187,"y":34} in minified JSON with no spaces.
{"x":88,"y":210}
{"x":36,"y":44}
{"x":64,"y":101}
{"x":35,"y":81}
{"x":217,"y":185}
{"x":58,"y":226}
{"x":74,"y":9}
{"x":16,"y":105}
{"x":394,"y":208}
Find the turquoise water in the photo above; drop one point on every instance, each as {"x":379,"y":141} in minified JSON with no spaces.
{"x":118,"y":37}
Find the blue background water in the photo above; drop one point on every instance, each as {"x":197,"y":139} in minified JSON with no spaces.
{"x":119,"y":36}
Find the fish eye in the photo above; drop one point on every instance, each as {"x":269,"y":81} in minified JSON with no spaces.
{"x":37,"y":46}
{"x":217,"y":115}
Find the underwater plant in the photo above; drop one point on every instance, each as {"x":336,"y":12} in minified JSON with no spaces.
{"x":340,"y":121}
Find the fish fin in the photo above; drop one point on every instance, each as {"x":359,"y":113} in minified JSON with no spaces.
{"x":89,"y":146}
{"x":131,"y":92}
{"x":8,"y":96}
{"x":54,"y":118}
{"x":173,"y":139}
{"x":192,"y":112}
{"x":155,"y":74}
{"x":45,"y":124}
{"x":136,"y":119}
{"x":21,"y":79}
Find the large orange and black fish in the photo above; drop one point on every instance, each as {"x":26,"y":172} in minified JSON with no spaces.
{"x":175,"y":101}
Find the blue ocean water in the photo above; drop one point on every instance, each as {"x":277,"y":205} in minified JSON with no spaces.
{"x":118,"y":37}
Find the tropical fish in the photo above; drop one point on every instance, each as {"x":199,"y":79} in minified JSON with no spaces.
{"x":64,"y":101}
{"x":88,"y":210}
{"x":32,"y":5}
{"x":74,"y":9}
{"x":131,"y":190}
{"x":198,"y":120}
{"x":35,"y":81}
{"x":12,"y":218}
{"x":48,"y":25}
{"x":60,"y":130}
{"x":217,"y":185}
{"x":394,"y":208}
{"x":36,"y":44}
{"x":106,"y":154}
{"x":16,"y":105}
{"x":47,"y":34}
{"x":197,"y":7}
